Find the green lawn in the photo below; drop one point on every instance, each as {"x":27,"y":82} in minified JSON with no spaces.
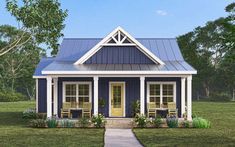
{"x":14,"y":132}
{"x":222,"y":133}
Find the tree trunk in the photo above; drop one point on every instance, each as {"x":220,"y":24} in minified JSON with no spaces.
{"x":233,"y":94}
{"x":198,"y":97}
{"x":207,"y":89}
{"x":29,"y":95}
{"x":12,"y":84}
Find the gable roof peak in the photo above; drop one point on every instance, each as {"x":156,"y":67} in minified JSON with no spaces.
{"x":119,"y":37}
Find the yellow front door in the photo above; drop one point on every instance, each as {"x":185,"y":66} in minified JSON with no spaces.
{"x":117,"y":99}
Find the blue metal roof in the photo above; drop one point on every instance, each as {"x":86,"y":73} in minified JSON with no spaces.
{"x":166,"y":49}
{"x":169,"y":66}
{"x":44,"y":62}
{"x":71,"y":49}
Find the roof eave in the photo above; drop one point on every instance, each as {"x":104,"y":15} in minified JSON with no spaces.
{"x":117,"y":72}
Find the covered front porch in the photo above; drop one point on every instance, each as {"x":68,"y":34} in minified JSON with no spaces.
{"x":113,"y":95}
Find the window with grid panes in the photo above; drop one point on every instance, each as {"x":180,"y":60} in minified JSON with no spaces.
{"x":154,"y":94}
{"x":70,"y":93}
{"x":77,"y":92}
{"x":168,"y":93}
{"x":83,"y":93}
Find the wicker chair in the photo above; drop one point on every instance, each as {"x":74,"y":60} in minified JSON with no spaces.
{"x":66,"y":110}
{"x":152,"y":109}
{"x":86,"y":109}
{"x":172,"y":110}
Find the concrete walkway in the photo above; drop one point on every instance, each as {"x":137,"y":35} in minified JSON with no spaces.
{"x":120,"y":138}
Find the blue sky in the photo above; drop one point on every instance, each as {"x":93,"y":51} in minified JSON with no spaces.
{"x":141,"y":18}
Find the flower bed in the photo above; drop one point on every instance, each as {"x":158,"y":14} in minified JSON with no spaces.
{"x":141,"y":121}
{"x":54,"y":122}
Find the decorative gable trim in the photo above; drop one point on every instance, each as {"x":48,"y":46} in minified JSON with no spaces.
{"x":119,"y":37}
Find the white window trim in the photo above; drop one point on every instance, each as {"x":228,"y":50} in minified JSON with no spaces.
{"x":98,"y":46}
{"x":124,"y":98}
{"x":78,"y":83}
{"x":161,"y":90}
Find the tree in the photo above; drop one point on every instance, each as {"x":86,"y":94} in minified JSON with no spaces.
{"x":228,"y":63}
{"x":211,"y":50}
{"x":41,"y":22}
{"x":17,"y":67}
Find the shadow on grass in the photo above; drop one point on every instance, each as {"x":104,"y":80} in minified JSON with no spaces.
{"x":11,"y":119}
{"x":184,"y":137}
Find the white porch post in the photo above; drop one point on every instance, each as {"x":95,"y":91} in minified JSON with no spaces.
{"x":49,"y":90}
{"x":142,"y":95}
{"x":36,"y":95}
{"x":182,"y":96}
{"x":55,"y":96}
{"x":96,"y":79}
{"x":189,"y":98}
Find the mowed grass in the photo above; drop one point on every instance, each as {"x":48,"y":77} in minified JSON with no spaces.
{"x":15,"y":133}
{"x":222,"y":132}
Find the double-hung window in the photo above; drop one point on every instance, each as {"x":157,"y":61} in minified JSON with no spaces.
{"x":161,"y":93}
{"x":79,"y":92}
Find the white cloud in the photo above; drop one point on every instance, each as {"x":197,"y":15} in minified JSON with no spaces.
{"x":161,"y":12}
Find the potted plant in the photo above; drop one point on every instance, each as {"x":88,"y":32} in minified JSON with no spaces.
{"x":135,"y":108}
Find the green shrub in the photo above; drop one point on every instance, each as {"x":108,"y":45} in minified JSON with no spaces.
{"x":38,"y":123}
{"x":172,"y":121}
{"x":199,"y":122}
{"x":52,"y":122}
{"x":29,"y":114}
{"x":98,"y":120}
{"x":11,"y":96}
{"x":220,"y":97}
{"x":185,"y":124}
{"x":135,"y":106}
{"x":157,"y":121}
{"x":84,"y":122}
{"x":66,"y":123}
{"x":41,"y":116}
{"x":141,"y":120}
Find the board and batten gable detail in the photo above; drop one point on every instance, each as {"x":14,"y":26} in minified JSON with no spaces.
{"x":119,"y":55}
{"x":119,"y":37}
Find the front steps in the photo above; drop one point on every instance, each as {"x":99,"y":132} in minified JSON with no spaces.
{"x":119,"y":123}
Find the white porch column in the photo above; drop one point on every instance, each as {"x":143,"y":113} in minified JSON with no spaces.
{"x":142,"y":95}
{"x":189,"y":98}
{"x":49,"y":90}
{"x":36,"y":95}
{"x":96,"y":79}
{"x":182,"y":96}
{"x":55,"y":96}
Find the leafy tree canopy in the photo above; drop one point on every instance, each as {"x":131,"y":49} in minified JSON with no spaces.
{"x":42,"y":20}
{"x":211,"y":50}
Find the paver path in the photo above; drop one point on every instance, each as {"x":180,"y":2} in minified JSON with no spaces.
{"x":120,"y":138}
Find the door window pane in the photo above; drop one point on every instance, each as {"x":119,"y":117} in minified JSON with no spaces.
{"x":117,"y":96}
